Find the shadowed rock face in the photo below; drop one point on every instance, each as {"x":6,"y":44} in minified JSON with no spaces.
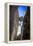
{"x":26,"y":22}
{"x":14,"y":18}
{"x":21,"y":18}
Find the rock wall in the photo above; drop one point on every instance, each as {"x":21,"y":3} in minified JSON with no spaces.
{"x":26,"y":23}
{"x":14,"y":18}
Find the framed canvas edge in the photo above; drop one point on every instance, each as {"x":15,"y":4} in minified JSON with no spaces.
{"x":31,"y":29}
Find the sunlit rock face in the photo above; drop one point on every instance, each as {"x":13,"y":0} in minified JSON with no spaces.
{"x":20,"y":29}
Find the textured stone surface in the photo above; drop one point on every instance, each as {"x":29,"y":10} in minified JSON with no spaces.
{"x":14,"y":18}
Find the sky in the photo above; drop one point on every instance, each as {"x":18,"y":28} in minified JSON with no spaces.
{"x":22,"y":10}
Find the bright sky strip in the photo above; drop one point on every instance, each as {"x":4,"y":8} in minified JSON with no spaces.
{"x":22,"y":10}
